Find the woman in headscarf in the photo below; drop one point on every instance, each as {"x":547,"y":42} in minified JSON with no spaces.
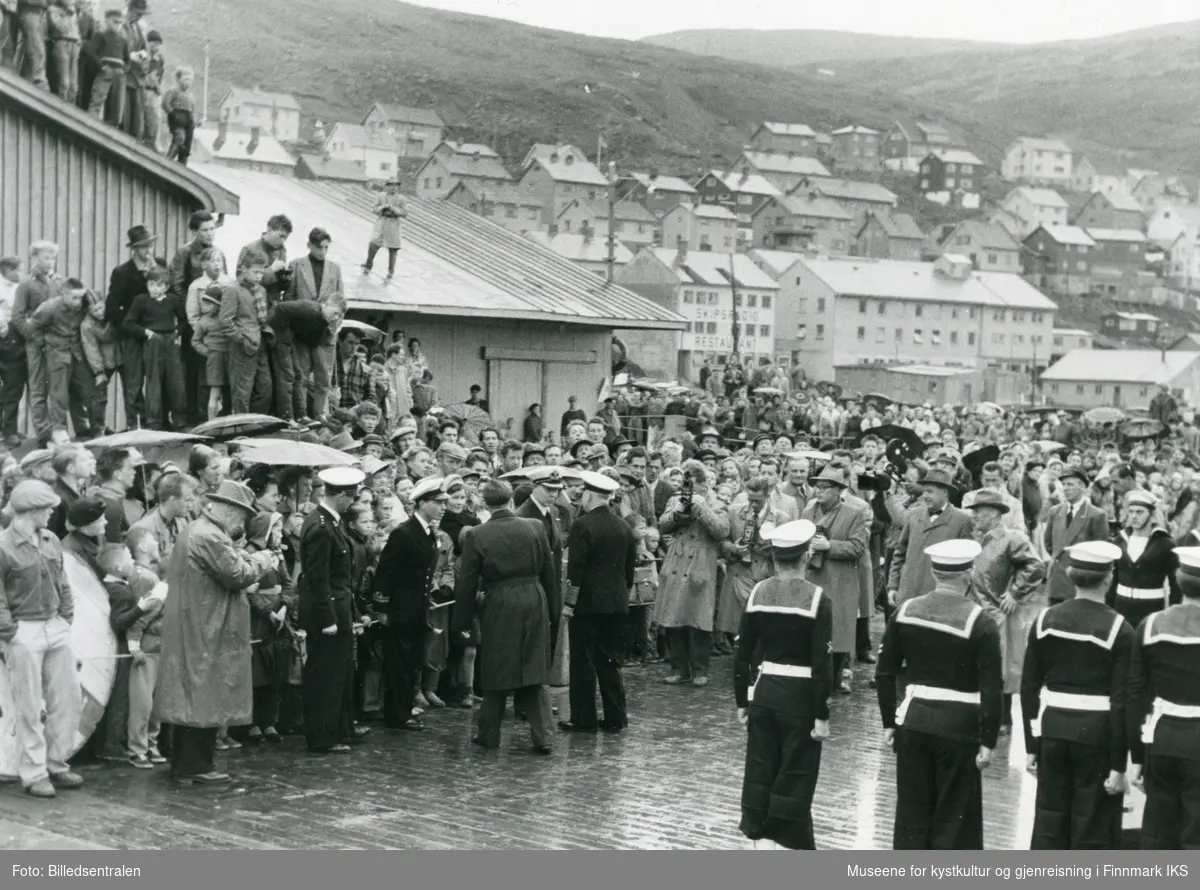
{"x":365,"y":548}
{"x":270,"y":634}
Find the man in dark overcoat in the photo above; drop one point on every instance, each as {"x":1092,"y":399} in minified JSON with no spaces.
{"x":504,"y":573}
{"x":542,"y":505}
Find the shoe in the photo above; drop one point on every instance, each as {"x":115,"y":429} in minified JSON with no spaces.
{"x":676,"y":680}
{"x":272,"y":736}
{"x":542,"y":750}
{"x":420,"y":701}
{"x":568,"y":726}
{"x":225,"y":743}
{"x":254,"y":736}
{"x":433,"y":701}
{"x":388,"y":278}
{"x":66,"y":780}
{"x":417,"y":712}
{"x":1006,"y":729}
{"x":41,"y":788}
{"x":866,"y":658}
{"x":13,"y":441}
{"x":140,"y":761}
{"x":468,"y":701}
{"x":154,"y":756}
{"x":700,"y":682}
{"x":332,"y":749}
{"x":366,"y":270}
{"x":482,"y":744}
{"x":613,"y":727}
{"x":359,"y":732}
{"x":210,"y":778}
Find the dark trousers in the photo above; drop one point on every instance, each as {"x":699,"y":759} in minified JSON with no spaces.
{"x":266,"y":706}
{"x":164,"y":381}
{"x":1072,"y":810}
{"x":532,"y":701}
{"x":782,"y":766}
{"x":595,"y":653}
{"x":1171,"y":820}
{"x":881,"y":585}
{"x":134,"y":122}
{"x":16,"y":375}
{"x":328,"y":689}
{"x":182,"y":127}
{"x":195,"y":379}
{"x":70,"y":383}
{"x":249,"y":380}
{"x":689,"y":650}
{"x":132,"y":379}
{"x":939,"y":794}
{"x":192,"y":751}
{"x":291,"y":387}
{"x":373,"y":249}
{"x":403,"y":654}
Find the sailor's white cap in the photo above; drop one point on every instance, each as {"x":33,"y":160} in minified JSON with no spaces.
{"x":791,"y":538}
{"x":1189,"y":561}
{"x":431,"y":488}
{"x":598,"y":482}
{"x":342,"y":477}
{"x":1141,"y":498}
{"x":953,"y":556}
{"x":1098,"y":556}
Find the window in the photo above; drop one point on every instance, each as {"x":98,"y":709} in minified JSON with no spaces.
{"x":950,"y":168}
{"x":954,"y":312}
{"x":970,"y":338}
{"x":1099,"y":389}
{"x":862,"y":305}
{"x":737,"y":299}
{"x":899,"y":334}
{"x":883,"y":307}
{"x":710,"y":327}
{"x":917,"y":338}
{"x":971,"y":313}
{"x":766,"y":301}
{"x":1081,"y":266}
{"x":1078,"y":389}
{"x":688,"y":327}
{"x":820,"y":304}
{"x":802,"y":305}
{"x":935,"y":337}
{"x":510,"y":212}
{"x":764,"y":330}
{"x":751,"y":300}
{"x":920,"y":310}
{"x":427,"y":182}
{"x":880,"y":335}
{"x":820,"y":332}
{"x":862,"y":333}
{"x":439,"y":182}
{"x":1053,"y":387}
{"x":954,"y":338}
{"x":688,"y":297}
{"x":992,"y":259}
{"x":997,"y":338}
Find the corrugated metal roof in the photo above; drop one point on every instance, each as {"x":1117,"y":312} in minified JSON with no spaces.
{"x":463,"y":161}
{"x":453,"y":263}
{"x":782,"y":162}
{"x":930,"y":370}
{"x":1118,"y":201}
{"x":426,"y":117}
{"x":899,"y":225}
{"x":1129,"y":235}
{"x":1136,"y":316}
{"x":572,"y":168}
{"x":709,"y":267}
{"x":236,"y":147}
{"x":262,"y":97}
{"x":357,"y":136}
{"x":804,"y":204}
{"x":1040,"y":197}
{"x":985,"y":234}
{"x":711,"y":211}
{"x":1146,"y":366}
{"x":780,"y":129}
{"x":1072,"y":332}
{"x":333,"y":168}
{"x":849,"y":190}
{"x":905,"y":280}
{"x":574,"y":247}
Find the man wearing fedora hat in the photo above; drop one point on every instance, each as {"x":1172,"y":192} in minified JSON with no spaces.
{"x":205,"y":680}
{"x":128,"y":280}
{"x":1074,"y":521}
{"x":932,"y":521}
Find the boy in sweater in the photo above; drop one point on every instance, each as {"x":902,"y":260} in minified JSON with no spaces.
{"x":56,"y":325}
{"x":145,"y":645}
{"x":156,"y":317}
{"x":100,"y":349}
{"x":180,"y":106}
{"x":109,"y":50}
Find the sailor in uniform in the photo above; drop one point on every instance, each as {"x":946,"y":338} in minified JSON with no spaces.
{"x":1164,"y":715}
{"x":785,"y":641}
{"x":1073,"y":701}
{"x":1146,"y":570}
{"x":946,"y":727}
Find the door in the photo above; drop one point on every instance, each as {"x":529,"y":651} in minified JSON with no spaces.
{"x":1116,"y":397}
{"x":512,"y":387}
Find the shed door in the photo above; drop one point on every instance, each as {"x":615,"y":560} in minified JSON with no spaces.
{"x":512,"y":387}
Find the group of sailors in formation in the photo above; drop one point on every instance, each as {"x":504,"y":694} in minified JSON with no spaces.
{"x":1110,"y":696}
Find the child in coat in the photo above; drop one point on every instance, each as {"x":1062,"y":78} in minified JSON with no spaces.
{"x":211,"y":342}
{"x":145,"y":644}
{"x":100,"y":349}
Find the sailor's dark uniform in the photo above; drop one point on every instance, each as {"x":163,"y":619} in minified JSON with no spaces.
{"x":950,"y":652}
{"x":1147,"y":584}
{"x":1164,"y":725}
{"x":1073,"y":697}
{"x":784,"y":641}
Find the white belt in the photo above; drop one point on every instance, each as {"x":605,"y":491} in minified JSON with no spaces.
{"x":1140,"y":593}
{"x":1067,"y":701}
{"x":933,"y":693}
{"x":775,"y":669}
{"x":1163,"y":708}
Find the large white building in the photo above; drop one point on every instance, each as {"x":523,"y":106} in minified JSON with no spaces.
{"x":1038,"y":162}
{"x":1122,"y":378}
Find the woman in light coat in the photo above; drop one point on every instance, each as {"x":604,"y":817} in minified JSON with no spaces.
{"x":390,"y":211}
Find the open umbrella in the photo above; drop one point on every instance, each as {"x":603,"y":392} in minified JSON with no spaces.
{"x":991,"y":409}
{"x":878,"y":400}
{"x":471,"y":419}
{"x":1142,"y":428}
{"x":286,"y":453}
{"x":143,"y":439}
{"x":1102,"y":415}
{"x":1046,"y":446}
{"x":890,"y":432}
{"x":768,"y":391}
{"x":235,"y":425}
{"x":368,"y":331}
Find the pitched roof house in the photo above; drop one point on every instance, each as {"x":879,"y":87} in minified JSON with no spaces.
{"x":454,"y":162}
{"x":889,"y":235}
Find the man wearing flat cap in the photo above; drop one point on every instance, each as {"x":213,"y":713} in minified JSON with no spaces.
{"x":204,"y":675}
{"x":451,"y":457}
{"x":403,"y":587}
{"x":1074,"y":521}
{"x":36,"y":609}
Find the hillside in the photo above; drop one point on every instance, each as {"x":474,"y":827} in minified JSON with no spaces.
{"x":790,"y":48}
{"x":504,"y":83}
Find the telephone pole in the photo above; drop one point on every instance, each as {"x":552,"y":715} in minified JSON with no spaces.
{"x":611,"y":260}
{"x":204,"y":107}
{"x":735,"y":329}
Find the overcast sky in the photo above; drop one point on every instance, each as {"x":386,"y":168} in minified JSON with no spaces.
{"x":1016,"y":21}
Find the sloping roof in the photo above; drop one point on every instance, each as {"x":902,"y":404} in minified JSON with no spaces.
{"x":573,"y":246}
{"x":1072,"y":332}
{"x":956,"y":156}
{"x":236,"y":147}
{"x":1136,"y":316}
{"x":427,"y":117}
{"x":1040,"y":197}
{"x":471,"y":161}
{"x":898,"y":225}
{"x":1131,"y":235}
{"x":1119,"y":201}
{"x":663,"y":183}
{"x":470,"y":148}
{"x":904,"y":280}
{"x":709,"y":267}
{"x":1066,"y":235}
{"x":774,"y":262}
{"x":806,"y":204}
{"x":853,"y":128}
{"x":454,"y":263}
{"x":115,"y":144}
{"x":333,"y":168}
{"x":780,"y":129}
{"x":709,"y":211}
{"x":261,"y":97}
{"x":498,"y":193}
{"x":571,"y":167}
{"x":751,"y":184}
{"x":984,"y":233}
{"x":1037,"y":143}
{"x":359,"y":137}
{"x":849,"y":190}
{"x":1147,"y":366}
{"x":545,"y":150}
{"x":782,"y":162}
{"x":624,"y":211}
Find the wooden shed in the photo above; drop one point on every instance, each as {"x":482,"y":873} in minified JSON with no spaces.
{"x":67,"y":177}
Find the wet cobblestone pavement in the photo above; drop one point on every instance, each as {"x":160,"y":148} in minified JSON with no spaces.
{"x":671,"y":781}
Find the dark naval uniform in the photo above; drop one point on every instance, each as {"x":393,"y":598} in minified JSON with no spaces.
{"x":326,"y":598}
{"x":1073,"y":701}
{"x":950,"y":652}
{"x":784,"y":643}
{"x":1164,"y":725}
{"x":1140,"y":586}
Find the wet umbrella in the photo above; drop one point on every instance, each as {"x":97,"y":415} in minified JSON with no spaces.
{"x":1046,"y":446}
{"x":1103,"y":415}
{"x":878,"y":399}
{"x":890,"y":432}
{"x":988,"y":408}
{"x":1142,"y":428}
{"x":237,"y":425}
{"x":286,"y":453}
{"x":768,"y":391}
{"x":471,"y":419}
{"x":144,"y":439}
{"x":363,"y":329}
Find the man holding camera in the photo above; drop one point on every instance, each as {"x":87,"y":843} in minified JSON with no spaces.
{"x":273,"y":244}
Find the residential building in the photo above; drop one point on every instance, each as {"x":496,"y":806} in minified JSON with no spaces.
{"x":989,"y":246}
{"x":783,"y":169}
{"x":699,"y":227}
{"x":275,"y":114}
{"x":1119,"y":254}
{"x":585,"y":249}
{"x":633,"y":223}
{"x":1035,"y":207}
{"x":547,"y":151}
{"x":1008,"y":221}
{"x":1168,"y":221}
{"x":1182,"y":263}
{"x":935,"y":384}
{"x":798,"y":139}
{"x":1058,"y":259}
{"x":1122,"y":378}
{"x":1064,"y":340}
{"x":1152,"y":189}
{"x":1038,"y":162}
{"x":503,"y":203}
{"x":1090,"y":174}
{"x":453,"y":162}
{"x":314,"y":166}
{"x":700,"y":287}
{"x":375,"y":153}
{"x":802,"y":221}
{"x":245,"y":151}
{"x":1110,"y":211}
{"x":415,"y":132}
{"x":743,"y":193}
{"x":951,"y":176}
{"x":837,"y":311}
{"x":889,"y":235}
{"x":856,"y":197}
{"x":1188,"y":342}
{"x":1130,"y":326}
{"x":654,"y":191}
{"x":856,"y":148}
{"x":915,"y":139}
{"x":558,"y":178}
